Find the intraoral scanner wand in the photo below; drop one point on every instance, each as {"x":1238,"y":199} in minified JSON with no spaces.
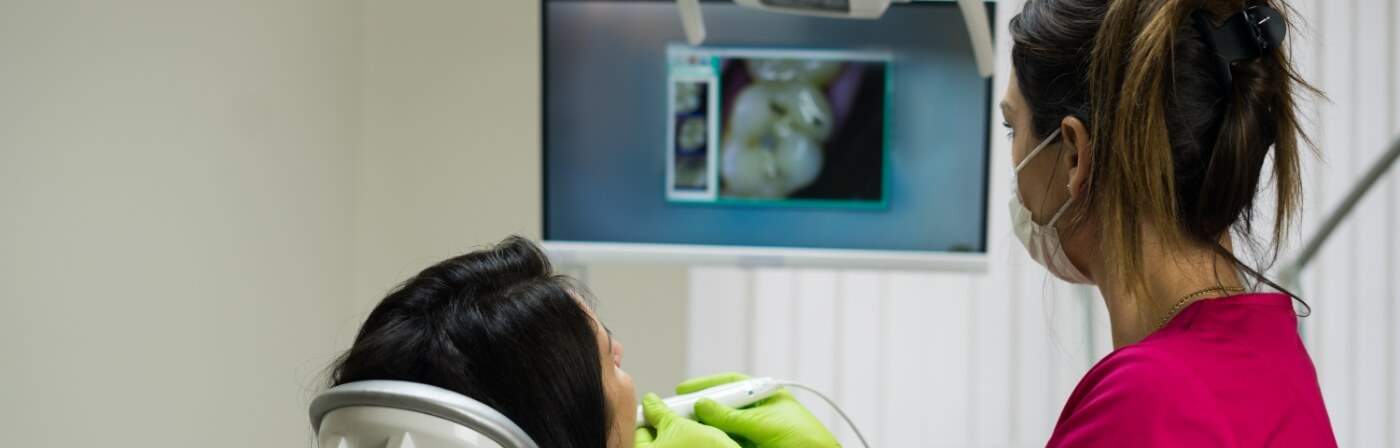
{"x":735,"y":395}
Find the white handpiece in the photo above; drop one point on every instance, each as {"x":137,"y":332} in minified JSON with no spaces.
{"x":734,"y":395}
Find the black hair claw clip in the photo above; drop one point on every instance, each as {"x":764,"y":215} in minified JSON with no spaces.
{"x":1244,"y":37}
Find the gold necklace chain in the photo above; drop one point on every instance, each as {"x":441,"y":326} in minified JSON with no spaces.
{"x":1193,"y":295}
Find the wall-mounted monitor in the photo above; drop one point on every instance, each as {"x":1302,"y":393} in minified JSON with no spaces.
{"x":784,"y":140}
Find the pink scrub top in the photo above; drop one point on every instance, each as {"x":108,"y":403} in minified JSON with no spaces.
{"x":1227,"y":372}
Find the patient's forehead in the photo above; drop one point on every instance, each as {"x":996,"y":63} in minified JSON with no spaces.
{"x":587,"y":309}
{"x":582,"y":303}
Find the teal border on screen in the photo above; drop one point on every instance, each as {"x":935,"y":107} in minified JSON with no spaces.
{"x":886,"y":163}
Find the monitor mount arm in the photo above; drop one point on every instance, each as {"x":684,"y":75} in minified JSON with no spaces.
{"x":1310,"y":250}
{"x":974,"y":14}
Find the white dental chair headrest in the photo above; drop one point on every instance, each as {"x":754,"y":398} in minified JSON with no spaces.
{"x":399,"y":414}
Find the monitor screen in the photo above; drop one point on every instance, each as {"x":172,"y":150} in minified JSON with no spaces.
{"x":781,"y":135}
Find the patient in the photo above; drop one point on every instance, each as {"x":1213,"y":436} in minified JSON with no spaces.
{"x":498,"y":325}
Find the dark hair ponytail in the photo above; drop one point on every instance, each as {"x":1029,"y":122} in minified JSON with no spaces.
{"x":1172,"y":146}
{"x":1260,"y":113}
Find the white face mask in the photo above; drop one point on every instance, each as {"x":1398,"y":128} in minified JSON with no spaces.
{"x":1043,"y":240}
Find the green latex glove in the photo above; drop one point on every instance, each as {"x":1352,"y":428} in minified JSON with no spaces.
{"x":674,"y":431}
{"x":776,"y":422}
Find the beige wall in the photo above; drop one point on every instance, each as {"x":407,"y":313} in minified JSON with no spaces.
{"x":451,"y":143}
{"x":199,"y":201}
{"x":175,"y":183}
{"x":451,"y":159}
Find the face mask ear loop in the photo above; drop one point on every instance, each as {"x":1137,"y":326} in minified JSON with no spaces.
{"x":1041,"y":147}
{"x":1061,"y":212}
{"x":1037,"y":150}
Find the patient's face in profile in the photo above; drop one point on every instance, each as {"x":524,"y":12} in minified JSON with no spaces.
{"x":617,"y":384}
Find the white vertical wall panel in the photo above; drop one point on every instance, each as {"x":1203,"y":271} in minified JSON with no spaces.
{"x":1352,"y":286}
{"x":815,"y":335}
{"x":1393,"y":259}
{"x":1373,"y":237}
{"x":990,"y":368}
{"x":1393,"y":288}
{"x":861,"y":301}
{"x":772,"y":323}
{"x":908,"y":374}
{"x":1305,"y":47}
{"x":1334,"y":298}
{"x":1029,"y":391}
{"x":948,"y":306}
{"x":718,"y":339}
{"x":987,"y":360}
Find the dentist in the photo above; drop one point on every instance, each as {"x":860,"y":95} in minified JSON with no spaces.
{"x":1140,"y":130}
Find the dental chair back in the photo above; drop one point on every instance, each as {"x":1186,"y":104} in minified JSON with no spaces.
{"x":398,"y":414}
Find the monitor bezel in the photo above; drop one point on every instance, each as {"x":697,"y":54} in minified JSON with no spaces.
{"x":601,"y":252}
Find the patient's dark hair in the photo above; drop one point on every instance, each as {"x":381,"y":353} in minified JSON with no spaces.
{"x":499,"y":326}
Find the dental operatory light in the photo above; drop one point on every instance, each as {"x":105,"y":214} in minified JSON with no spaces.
{"x":974,"y":15}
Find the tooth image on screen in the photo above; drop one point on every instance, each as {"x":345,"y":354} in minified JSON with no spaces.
{"x":687,"y":97}
{"x":782,"y":70}
{"x":691,"y":169}
{"x":692,"y":134}
{"x":778,"y":127}
{"x":691,"y":174}
{"x":690,"y":144}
